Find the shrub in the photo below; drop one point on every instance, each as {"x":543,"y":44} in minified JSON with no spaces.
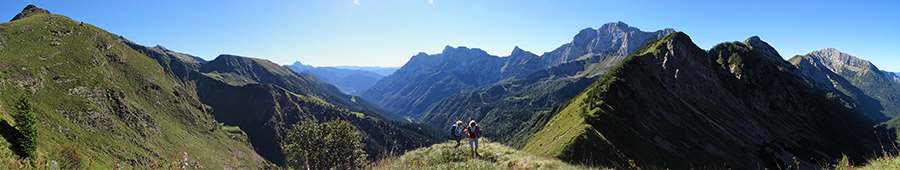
{"x":70,"y":158}
{"x":330,"y":145}
{"x":25,"y":122}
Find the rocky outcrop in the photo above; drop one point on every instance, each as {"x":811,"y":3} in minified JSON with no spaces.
{"x":29,"y":11}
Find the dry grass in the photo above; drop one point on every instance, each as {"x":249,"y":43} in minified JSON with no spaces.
{"x":493,"y":156}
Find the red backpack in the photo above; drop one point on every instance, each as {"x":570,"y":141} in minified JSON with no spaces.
{"x":473,"y":133}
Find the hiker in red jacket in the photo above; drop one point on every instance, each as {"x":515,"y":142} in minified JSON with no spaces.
{"x":473,"y":132}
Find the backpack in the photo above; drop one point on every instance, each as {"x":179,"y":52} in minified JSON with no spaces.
{"x":472,"y":132}
{"x":453,"y":130}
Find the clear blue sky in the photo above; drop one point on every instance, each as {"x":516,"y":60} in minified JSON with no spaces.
{"x":389,"y":32}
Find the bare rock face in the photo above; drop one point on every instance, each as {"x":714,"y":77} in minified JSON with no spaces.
{"x":615,"y":39}
{"x":28,"y":11}
{"x":858,"y":81}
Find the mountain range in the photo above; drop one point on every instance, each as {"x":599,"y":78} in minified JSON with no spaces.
{"x":858,"y":79}
{"x":249,"y":93}
{"x":427,"y":79}
{"x":671,"y":104}
{"x":351,"y":80}
{"x":615,"y":96}
{"x":125,"y":105}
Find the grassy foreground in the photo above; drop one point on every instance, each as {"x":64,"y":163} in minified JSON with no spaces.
{"x":493,"y":156}
{"x":886,"y":162}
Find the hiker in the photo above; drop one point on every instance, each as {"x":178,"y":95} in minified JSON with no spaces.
{"x":457,"y":131}
{"x":473,"y":132}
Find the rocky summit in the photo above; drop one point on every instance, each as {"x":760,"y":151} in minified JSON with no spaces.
{"x":856,"y":81}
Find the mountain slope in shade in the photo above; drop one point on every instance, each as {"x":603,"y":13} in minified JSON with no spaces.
{"x":114,"y":105}
{"x":349,"y":81}
{"x":671,"y":104}
{"x":869,"y":88}
{"x":426,"y":79}
{"x":238,"y":70}
{"x":266,"y":111}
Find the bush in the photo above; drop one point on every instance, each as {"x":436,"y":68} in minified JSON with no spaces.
{"x":330,"y":145}
{"x":70,"y":158}
{"x":25,"y":122}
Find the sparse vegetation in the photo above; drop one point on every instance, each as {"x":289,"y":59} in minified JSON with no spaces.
{"x":493,"y":156}
{"x":333,"y":144}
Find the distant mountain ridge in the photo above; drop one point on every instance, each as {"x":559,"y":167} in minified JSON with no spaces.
{"x":383,"y":71}
{"x":347,"y":80}
{"x":426,"y":79}
{"x":868,"y":87}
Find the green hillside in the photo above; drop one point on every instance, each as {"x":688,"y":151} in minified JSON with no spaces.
{"x":104,"y":105}
{"x":671,"y":104}
{"x":493,"y":156}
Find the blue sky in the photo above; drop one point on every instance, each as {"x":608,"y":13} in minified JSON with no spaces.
{"x":389,"y":32}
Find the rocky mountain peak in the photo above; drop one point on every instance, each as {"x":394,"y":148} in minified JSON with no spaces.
{"x":616,"y":26}
{"x":516,"y":51}
{"x":835,"y":60}
{"x":161,"y":47}
{"x":758,"y":44}
{"x":29,"y":11}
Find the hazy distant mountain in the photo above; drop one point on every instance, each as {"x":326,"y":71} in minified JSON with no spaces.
{"x":869,"y":88}
{"x":427,"y":79}
{"x":348,"y":80}
{"x":671,"y":104}
{"x":383,"y":71}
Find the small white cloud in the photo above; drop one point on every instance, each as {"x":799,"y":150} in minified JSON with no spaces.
{"x":431,"y":1}
{"x":357,"y":2}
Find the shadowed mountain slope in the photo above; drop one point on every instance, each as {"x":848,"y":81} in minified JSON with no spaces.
{"x":238,"y":70}
{"x":267,"y":111}
{"x":671,"y":104}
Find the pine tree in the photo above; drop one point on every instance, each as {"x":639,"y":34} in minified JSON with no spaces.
{"x":25,"y":122}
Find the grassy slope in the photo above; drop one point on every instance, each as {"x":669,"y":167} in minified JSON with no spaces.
{"x":115,"y":105}
{"x":494,"y":156}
